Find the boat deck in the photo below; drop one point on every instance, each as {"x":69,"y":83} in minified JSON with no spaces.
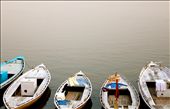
{"x":72,"y":95}
{"x":124,"y":100}
{"x":159,"y":101}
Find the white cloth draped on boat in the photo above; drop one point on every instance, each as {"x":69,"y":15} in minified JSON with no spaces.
{"x":161,"y":85}
{"x":72,"y":81}
{"x":60,"y":96}
{"x":77,"y":81}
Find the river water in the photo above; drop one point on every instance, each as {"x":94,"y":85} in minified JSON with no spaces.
{"x":99,"y":38}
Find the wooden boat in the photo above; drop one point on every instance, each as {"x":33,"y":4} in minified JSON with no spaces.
{"x":10,"y":70}
{"x":154,"y":85}
{"x":27,"y":89}
{"x":118,"y":93}
{"x":73,"y":93}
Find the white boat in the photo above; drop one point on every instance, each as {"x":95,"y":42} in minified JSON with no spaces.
{"x":154,"y":85}
{"x":73,"y":93}
{"x":10,"y":70}
{"x":127,"y":96}
{"x":27,"y":89}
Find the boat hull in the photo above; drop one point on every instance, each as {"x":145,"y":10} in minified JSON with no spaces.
{"x":27,"y":104}
{"x":133,"y":94}
{"x":142,"y":95}
{"x":84,"y":99}
{"x":16,"y":75}
{"x":148,"y":79}
{"x":12,"y":98}
{"x":81,"y":107}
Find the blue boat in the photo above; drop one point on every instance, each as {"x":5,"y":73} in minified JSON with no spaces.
{"x":10,"y":70}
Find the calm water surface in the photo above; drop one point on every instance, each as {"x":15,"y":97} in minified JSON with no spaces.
{"x":99,"y":38}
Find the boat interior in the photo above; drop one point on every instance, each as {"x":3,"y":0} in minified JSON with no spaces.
{"x":73,"y":92}
{"x":10,"y":75}
{"x":7,"y":77}
{"x":17,"y":93}
{"x":158,"y":100}
{"x":12,"y":70}
{"x":124,"y":99}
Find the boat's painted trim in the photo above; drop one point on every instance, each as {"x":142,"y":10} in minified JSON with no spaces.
{"x":142,"y":95}
{"x":14,"y":77}
{"x":12,"y":60}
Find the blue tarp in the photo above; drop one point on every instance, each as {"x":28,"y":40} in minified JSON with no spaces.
{"x":113,"y":85}
{"x":63,"y":102}
{"x":81,"y":81}
{"x":3,"y":76}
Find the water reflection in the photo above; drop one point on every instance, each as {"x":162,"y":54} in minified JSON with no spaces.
{"x":143,"y":104}
{"x":88,"y":105}
{"x":1,"y":101}
{"x":1,"y":97}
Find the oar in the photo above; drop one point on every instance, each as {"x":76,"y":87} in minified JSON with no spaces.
{"x":115,"y":104}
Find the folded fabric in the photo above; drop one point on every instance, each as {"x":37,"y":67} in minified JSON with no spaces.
{"x":3,"y":76}
{"x":161,"y":85}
